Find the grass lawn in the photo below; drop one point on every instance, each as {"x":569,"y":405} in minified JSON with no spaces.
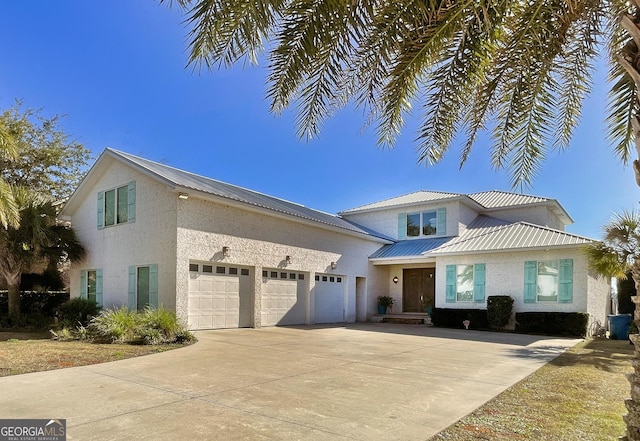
{"x":24,"y":352}
{"x":578,"y":396}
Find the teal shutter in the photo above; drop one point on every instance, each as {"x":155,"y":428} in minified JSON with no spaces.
{"x":402,"y":226}
{"x":530,"y":281}
{"x":153,"y":285}
{"x":565,"y":286}
{"x":100,"y":210}
{"x":479,"y":282}
{"x":133,"y":301}
{"x":131,"y":198}
{"x":83,"y":284}
{"x":451,"y":284}
{"x":441,"y":220}
{"x":99,"y":287}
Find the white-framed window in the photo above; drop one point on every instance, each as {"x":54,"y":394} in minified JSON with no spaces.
{"x":425,"y":223}
{"x":548,"y":281}
{"x":465,"y":283}
{"x":117,"y":205}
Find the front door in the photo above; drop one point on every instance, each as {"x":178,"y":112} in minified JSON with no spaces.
{"x":418,"y":289}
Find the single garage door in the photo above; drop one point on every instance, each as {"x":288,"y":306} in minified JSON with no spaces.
{"x":219,"y":297}
{"x":329,"y":298}
{"x":283,"y":298}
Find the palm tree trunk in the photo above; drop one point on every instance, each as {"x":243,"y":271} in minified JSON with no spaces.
{"x":14,"y":301}
{"x":632,"y":418}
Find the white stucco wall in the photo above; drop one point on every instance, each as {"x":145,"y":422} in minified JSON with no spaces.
{"x":151,"y":239}
{"x":261,"y":241}
{"x":386,"y":221}
{"x":505,"y":276}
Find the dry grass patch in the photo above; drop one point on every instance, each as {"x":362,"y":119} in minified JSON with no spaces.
{"x":20,"y":355}
{"x":578,"y":396}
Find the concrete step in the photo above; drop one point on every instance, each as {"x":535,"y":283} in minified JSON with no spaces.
{"x":402,"y":318}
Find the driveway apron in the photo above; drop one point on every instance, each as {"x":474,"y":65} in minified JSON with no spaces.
{"x":356,"y":382}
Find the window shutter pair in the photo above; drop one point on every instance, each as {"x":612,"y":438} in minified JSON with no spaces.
{"x":131,"y":207}
{"x":441,"y":223}
{"x":133,"y":287}
{"x":83,"y":285}
{"x":479,"y":282}
{"x":565,"y":281}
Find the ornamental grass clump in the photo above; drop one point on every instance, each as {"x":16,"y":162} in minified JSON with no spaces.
{"x":116,"y":326}
{"x":162,"y":326}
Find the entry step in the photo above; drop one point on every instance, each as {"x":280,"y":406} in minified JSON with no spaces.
{"x":404,"y":318}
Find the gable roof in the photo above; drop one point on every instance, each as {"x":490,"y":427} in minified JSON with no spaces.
{"x":180,"y":180}
{"x":484,"y":201}
{"x":484,"y":234}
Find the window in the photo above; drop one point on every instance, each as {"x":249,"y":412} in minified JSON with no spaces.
{"x":245,"y":272}
{"x":193,"y":267}
{"x":233,"y":271}
{"x":221,"y":270}
{"x":465,"y":283}
{"x":143,"y":287}
{"x":422,"y":224}
{"x":117,"y":206}
{"x":91,"y":285}
{"x":548,"y":281}
{"x":207,"y":268}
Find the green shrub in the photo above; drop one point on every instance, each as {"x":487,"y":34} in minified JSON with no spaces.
{"x":453,"y":318}
{"x":499,"y":311}
{"x":565,"y":324}
{"x":162,"y":326}
{"x":151,"y":326}
{"x":386,"y":301}
{"x":116,"y":326}
{"x":77,"y":311}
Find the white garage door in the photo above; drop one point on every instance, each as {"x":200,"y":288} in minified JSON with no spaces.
{"x":219,"y":297}
{"x":329,"y":298}
{"x":283,"y":298}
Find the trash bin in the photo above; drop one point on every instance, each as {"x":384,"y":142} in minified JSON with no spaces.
{"x":619,"y":326}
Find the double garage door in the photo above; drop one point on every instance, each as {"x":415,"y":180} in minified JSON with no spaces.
{"x":219,"y":297}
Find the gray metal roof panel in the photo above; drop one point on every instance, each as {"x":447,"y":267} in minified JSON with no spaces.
{"x":411,"y":198}
{"x":409,"y":248}
{"x":186,"y":179}
{"x":501,"y":199}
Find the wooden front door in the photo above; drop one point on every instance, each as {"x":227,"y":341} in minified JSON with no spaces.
{"x":418,"y":289}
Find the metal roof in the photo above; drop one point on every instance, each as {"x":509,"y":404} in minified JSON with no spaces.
{"x":500,"y":199}
{"x":484,"y":234}
{"x":408,"y":248}
{"x":407,"y":199}
{"x":187,"y":180}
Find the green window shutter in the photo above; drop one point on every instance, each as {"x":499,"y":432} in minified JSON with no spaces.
{"x":99,"y":287}
{"x":402,"y":226}
{"x":451,"y":284}
{"x":441,"y":220}
{"x":530,"y":281}
{"x":133,"y":301}
{"x":83,"y":284}
{"x":565,"y":285}
{"x":100,"y":210}
{"x":131,"y":209}
{"x":479,"y":271}
{"x":153,"y":285}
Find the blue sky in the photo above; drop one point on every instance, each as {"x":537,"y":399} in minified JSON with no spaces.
{"x":116,"y":69}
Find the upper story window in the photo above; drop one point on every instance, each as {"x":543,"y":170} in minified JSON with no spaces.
{"x":117,"y":205}
{"x":422,"y":224}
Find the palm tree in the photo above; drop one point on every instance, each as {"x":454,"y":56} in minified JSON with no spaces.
{"x":39,"y":237}
{"x":8,"y":209}
{"x":518,"y":69}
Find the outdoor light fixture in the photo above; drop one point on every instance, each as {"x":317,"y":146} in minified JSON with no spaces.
{"x":183,"y":195}
{"x":395,"y":279}
{"x":226,"y":251}
{"x":334,"y":265}
{"x":287,"y":259}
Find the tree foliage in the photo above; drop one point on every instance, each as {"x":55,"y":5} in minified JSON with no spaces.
{"x":39,"y":155}
{"x":517,"y":69}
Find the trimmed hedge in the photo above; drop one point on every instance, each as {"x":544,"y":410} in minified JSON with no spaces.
{"x":564,"y":324}
{"x":453,"y":318}
{"x":499,"y":311}
{"x":41,"y":302}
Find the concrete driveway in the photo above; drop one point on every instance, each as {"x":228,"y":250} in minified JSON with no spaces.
{"x":359,"y":382}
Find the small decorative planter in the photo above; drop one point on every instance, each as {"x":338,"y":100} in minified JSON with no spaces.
{"x":384,"y":304}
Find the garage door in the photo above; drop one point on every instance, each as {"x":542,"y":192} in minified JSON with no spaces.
{"x":219,"y":297}
{"x":283,"y":298}
{"x":328,"y":294}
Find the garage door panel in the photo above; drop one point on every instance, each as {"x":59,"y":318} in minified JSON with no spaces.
{"x":328,"y":294}
{"x":283,"y":298}
{"x":214,"y":300}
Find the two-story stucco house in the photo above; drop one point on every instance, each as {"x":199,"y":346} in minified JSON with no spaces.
{"x":224,"y":256}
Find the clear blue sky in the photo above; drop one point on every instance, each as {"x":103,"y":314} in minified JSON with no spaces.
{"x":116,"y":69}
